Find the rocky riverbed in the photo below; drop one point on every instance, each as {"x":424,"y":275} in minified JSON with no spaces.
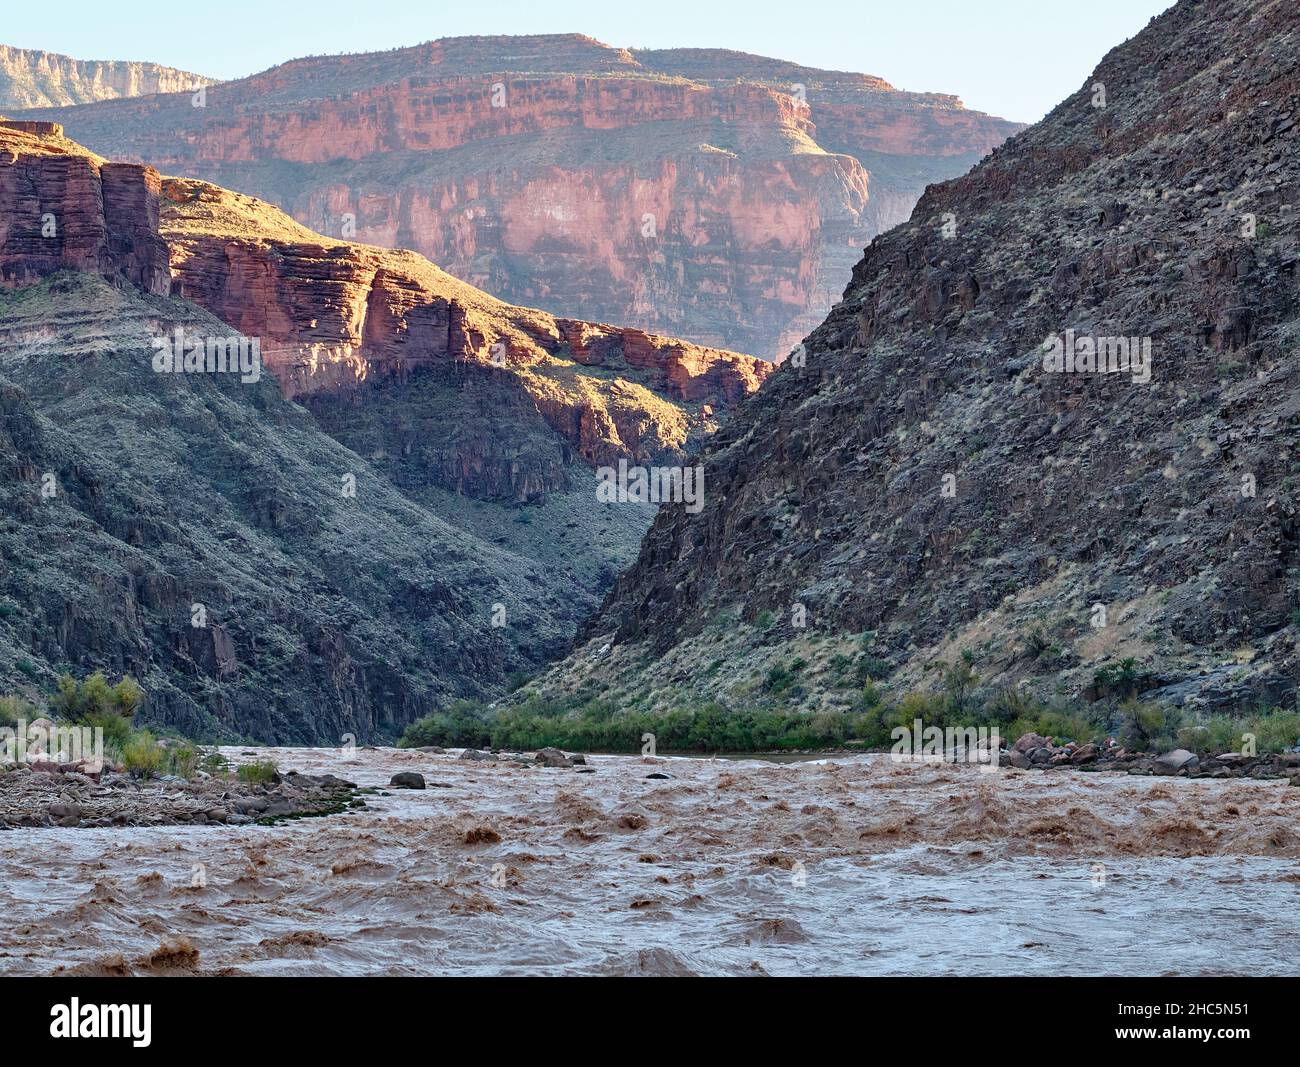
{"x":1043,"y":753}
{"x":625,"y":865}
{"x":34,"y":798}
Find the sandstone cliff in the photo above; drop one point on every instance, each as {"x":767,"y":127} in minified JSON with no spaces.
{"x":63,"y":208}
{"x":31,"y":78}
{"x":709,"y":195}
{"x":928,"y":487}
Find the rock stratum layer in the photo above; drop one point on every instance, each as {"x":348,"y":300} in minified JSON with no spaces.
{"x":286,"y":574}
{"x":711,"y":195}
{"x":929,"y":480}
{"x":31,"y":78}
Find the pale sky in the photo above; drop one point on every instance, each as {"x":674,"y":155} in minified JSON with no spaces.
{"x":1014,"y":58}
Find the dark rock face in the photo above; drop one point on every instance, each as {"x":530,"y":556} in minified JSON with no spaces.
{"x":927,"y":477}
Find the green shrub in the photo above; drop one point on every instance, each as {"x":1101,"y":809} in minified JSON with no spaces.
{"x":1120,"y":680}
{"x":78,"y":701}
{"x":462,"y":723}
{"x":117,"y":731}
{"x":259,"y":772}
{"x":871,"y":668}
{"x":778,"y":680}
{"x":142,"y":756}
{"x":215,"y":764}
{"x":958,"y":682}
{"x":1148,"y":726}
{"x":1274,"y":732}
{"x":183,"y":760}
{"x":126,"y":697}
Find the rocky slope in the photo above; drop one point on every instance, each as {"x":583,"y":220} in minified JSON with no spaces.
{"x":715,"y":196}
{"x":929,"y":487}
{"x":31,"y":78}
{"x":348,"y":565}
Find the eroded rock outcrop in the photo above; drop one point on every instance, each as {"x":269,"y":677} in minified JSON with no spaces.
{"x":710,"y":195}
{"x":336,"y":319}
{"x":62,"y":208}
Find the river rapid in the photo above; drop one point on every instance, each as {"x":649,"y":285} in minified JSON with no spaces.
{"x":851,"y":865}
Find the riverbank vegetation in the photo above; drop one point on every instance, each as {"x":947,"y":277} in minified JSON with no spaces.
{"x":600,"y":726}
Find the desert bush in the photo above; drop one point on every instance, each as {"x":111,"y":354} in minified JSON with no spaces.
{"x":1144,"y":725}
{"x":183,"y":760}
{"x":79,"y":701}
{"x":259,"y":772}
{"x":142,"y":756}
{"x":117,"y":730}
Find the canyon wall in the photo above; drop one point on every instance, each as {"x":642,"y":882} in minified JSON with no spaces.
{"x":336,"y":318}
{"x":61,"y":208}
{"x":934,"y":492}
{"x":350,"y":529}
{"x":714,"y":196}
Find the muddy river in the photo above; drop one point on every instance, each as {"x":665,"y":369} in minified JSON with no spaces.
{"x":851,"y":865}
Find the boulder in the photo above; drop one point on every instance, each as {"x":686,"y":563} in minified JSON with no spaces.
{"x":1028,"y":742}
{"x":476,"y":754}
{"x":552,"y":757}
{"x":1174,"y":762}
{"x":1084,"y":754}
{"x":407,"y":780}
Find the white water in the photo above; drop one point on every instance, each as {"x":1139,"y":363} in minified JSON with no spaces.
{"x":905,"y":870}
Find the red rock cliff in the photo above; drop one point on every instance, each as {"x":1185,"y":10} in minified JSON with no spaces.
{"x":712,"y":195}
{"x":332,"y":315}
{"x":62,"y":208}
